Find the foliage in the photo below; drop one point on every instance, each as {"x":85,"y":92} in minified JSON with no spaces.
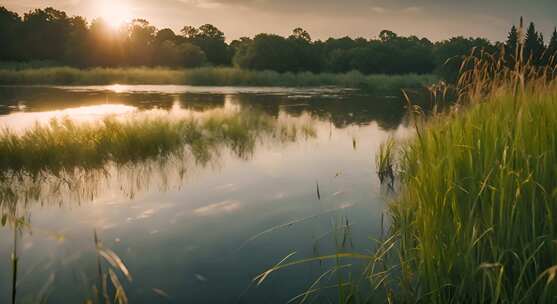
{"x":51,"y":35}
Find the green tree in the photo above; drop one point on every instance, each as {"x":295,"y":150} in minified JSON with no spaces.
{"x":552,"y":47}
{"x":449,"y":54}
{"x":533,"y":44}
{"x":189,"y":32}
{"x":10,"y":25}
{"x":387,"y":36}
{"x":179,"y":55}
{"x":140,"y":44}
{"x":165,"y":35}
{"x":267,"y":52}
{"x":45,"y":34}
{"x":211,"y":40}
{"x":300,"y":34}
{"x":511,"y":45}
{"x":76,"y":48}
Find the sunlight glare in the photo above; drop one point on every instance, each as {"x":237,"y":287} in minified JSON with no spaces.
{"x":115,"y":14}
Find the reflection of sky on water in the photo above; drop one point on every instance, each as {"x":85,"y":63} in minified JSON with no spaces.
{"x":187,"y":240}
{"x":21,"y":120}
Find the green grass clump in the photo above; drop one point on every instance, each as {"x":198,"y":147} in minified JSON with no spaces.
{"x":208,"y":76}
{"x":66,"y":145}
{"x":66,"y":161}
{"x":385,"y":162}
{"x":476,"y":216}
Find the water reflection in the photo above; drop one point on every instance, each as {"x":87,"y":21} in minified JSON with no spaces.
{"x":195,"y":139}
{"x":183,"y":223}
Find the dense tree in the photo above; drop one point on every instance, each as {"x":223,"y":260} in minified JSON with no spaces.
{"x":52,"y":35}
{"x":179,"y":55}
{"x":140,"y":43}
{"x":10,"y":25}
{"x":165,"y":35}
{"x":552,"y":47}
{"x":266,"y":52}
{"x":76,"y":47}
{"x":300,"y":34}
{"x":211,"y":40}
{"x":449,"y":54}
{"x":45,"y":34}
{"x":511,"y":45}
{"x":533,"y":44}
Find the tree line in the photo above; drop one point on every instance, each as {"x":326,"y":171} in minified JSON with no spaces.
{"x":51,"y":35}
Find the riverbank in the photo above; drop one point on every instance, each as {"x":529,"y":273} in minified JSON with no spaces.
{"x":475,"y":219}
{"x":210,"y":77}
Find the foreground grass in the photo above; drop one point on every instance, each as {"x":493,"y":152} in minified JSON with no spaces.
{"x":208,"y":77}
{"x":476,"y":216}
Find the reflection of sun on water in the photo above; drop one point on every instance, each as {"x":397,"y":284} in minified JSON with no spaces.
{"x":20,"y":121}
{"x":114,"y":13}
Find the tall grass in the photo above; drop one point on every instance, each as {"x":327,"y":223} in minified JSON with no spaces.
{"x":69,"y":160}
{"x":475,"y":219}
{"x":209,"y":77}
{"x":65,"y":144}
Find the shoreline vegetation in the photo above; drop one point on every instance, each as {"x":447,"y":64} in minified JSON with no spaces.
{"x":474,"y":220}
{"x":209,"y":76}
{"x":473,"y":216}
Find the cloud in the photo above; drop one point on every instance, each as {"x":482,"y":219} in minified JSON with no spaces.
{"x":207,"y":4}
{"x":412,"y":10}
{"x":379,"y":9}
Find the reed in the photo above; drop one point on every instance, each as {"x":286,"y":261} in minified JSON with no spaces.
{"x":208,"y":76}
{"x":385,"y":163}
{"x":65,"y":145}
{"x":475,"y":218}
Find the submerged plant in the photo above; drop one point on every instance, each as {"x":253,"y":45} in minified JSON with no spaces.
{"x":385,"y":162}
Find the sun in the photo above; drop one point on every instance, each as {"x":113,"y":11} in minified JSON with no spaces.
{"x":115,"y":14}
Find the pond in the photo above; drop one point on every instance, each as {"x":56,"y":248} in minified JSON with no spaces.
{"x":192,"y":230}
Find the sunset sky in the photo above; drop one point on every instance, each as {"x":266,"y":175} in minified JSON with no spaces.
{"x":322,"y":18}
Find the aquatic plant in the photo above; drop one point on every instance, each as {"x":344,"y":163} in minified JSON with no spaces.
{"x":66,"y":156}
{"x":385,"y":163}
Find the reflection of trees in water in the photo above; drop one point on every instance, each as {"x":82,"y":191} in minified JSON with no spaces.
{"x":342,"y":108}
{"x":163,"y":168}
{"x":342,"y":111}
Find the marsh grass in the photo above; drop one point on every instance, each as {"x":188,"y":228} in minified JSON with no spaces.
{"x":208,"y":76}
{"x":64,"y":144}
{"x":65,"y":160}
{"x":475,"y":219}
{"x":385,"y":163}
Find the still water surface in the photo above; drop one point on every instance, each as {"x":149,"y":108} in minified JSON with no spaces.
{"x":195,"y":234}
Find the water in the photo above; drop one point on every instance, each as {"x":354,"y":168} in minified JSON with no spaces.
{"x":192,"y":232}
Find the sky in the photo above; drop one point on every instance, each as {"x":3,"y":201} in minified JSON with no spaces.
{"x":434,"y":19}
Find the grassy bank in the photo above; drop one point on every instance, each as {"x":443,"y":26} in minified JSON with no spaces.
{"x":475,"y":218}
{"x":208,"y":77}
